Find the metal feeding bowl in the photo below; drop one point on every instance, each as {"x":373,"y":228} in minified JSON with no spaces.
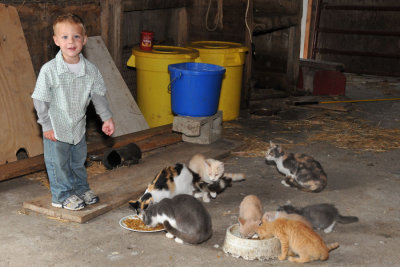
{"x":250,"y":249}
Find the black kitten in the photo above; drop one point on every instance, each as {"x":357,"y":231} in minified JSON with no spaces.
{"x":321,"y":216}
{"x":123,"y":156}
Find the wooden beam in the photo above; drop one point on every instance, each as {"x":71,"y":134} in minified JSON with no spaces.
{"x":111,"y":32}
{"x":138,"y":5}
{"x":147,"y":140}
{"x":307,"y":31}
{"x":104,"y":20}
{"x":248,"y":66}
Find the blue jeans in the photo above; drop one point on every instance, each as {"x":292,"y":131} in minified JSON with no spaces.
{"x":65,"y":164}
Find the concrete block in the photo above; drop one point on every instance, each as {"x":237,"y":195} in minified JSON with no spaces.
{"x":199,"y":130}
{"x":308,"y":68}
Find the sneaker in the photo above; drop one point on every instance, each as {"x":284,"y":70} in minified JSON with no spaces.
{"x":71,"y":203}
{"x":89,"y":197}
{"x":57,"y":205}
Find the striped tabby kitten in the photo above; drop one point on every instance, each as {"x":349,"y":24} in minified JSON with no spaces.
{"x":172,"y":181}
{"x":301,"y":171}
{"x":296,"y":239}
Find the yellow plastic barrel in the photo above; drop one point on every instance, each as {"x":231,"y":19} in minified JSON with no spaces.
{"x":231,"y":56}
{"x":152,"y":80}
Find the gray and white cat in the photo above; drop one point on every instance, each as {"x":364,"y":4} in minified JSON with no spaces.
{"x":183,"y":216}
{"x":302,"y":171}
{"x":321,"y":216}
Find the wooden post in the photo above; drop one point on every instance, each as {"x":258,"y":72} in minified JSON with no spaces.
{"x":111,"y":24}
{"x":307,"y":31}
{"x":249,"y":58}
{"x":183,"y":31}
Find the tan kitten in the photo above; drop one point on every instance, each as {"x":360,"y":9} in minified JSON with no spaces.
{"x":296,"y":238}
{"x":210,"y":170}
{"x":273,"y":215}
{"x":249,"y":216}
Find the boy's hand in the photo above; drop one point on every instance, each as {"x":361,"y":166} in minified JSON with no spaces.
{"x":50,"y":135}
{"x":108,"y":127}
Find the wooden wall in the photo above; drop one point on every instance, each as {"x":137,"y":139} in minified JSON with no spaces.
{"x":230,"y":28}
{"x":168,"y":21}
{"x":37,"y":18}
{"x":275,"y":34}
{"x":363,"y":35}
{"x":177,"y":22}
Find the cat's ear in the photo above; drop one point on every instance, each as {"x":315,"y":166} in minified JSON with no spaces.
{"x":271,"y":143}
{"x":267,"y":216}
{"x":242,"y":221}
{"x":208,"y":163}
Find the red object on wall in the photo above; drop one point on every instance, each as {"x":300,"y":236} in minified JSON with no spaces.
{"x":300,"y":80}
{"x":146,"y":40}
{"x":329,"y":82}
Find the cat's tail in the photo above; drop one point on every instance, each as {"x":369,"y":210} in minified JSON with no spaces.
{"x":236,"y":177}
{"x":325,"y":254}
{"x":347,"y":219}
{"x":191,"y":239}
{"x":332,"y":246}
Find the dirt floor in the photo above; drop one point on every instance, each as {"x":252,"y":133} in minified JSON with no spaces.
{"x":359,"y":149}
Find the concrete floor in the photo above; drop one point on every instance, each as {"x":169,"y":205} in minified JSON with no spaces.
{"x":360,"y":183}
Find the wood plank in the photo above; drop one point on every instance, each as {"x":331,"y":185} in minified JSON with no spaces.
{"x":147,"y":140}
{"x":126,"y":114}
{"x":17,"y":81}
{"x":138,"y":5}
{"x":333,"y":107}
{"x":308,"y":30}
{"x":248,"y":66}
{"x":118,"y":186}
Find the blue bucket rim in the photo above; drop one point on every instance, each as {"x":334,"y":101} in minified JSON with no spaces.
{"x":214,"y":69}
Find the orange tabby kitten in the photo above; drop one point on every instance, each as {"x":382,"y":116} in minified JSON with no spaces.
{"x":296,"y":238}
{"x":249,"y":215}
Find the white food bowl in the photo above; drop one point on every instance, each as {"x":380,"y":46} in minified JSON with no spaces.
{"x":250,"y":249}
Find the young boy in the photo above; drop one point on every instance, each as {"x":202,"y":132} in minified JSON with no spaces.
{"x":64,"y":88}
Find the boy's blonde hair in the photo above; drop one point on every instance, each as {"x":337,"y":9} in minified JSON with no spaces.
{"x":71,"y":18}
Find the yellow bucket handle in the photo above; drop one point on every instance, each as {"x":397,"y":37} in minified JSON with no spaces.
{"x":170,"y":84}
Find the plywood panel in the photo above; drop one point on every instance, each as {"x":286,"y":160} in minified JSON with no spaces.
{"x":17,"y":81}
{"x":126,"y":114}
{"x":117,"y":187}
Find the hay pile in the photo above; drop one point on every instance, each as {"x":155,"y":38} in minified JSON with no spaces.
{"x":355,"y":134}
{"x":342,"y":131}
{"x":93,"y":170}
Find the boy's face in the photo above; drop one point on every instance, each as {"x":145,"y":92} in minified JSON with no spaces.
{"x":71,"y":39}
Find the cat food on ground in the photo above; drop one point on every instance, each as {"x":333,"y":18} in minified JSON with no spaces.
{"x":136,"y":224}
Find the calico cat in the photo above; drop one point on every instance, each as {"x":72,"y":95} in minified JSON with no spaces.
{"x":212,"y":172}
{"x":296,"y":239}
{"x":249,"y":216}
{"x":273,"y":215}
{"x":172,"y":181}
{"x":301,"y":171}
{"x":184,"y":218}
{"x":322,"y":216}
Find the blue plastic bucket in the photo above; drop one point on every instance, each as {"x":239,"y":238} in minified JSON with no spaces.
{"x":195,"y":88}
